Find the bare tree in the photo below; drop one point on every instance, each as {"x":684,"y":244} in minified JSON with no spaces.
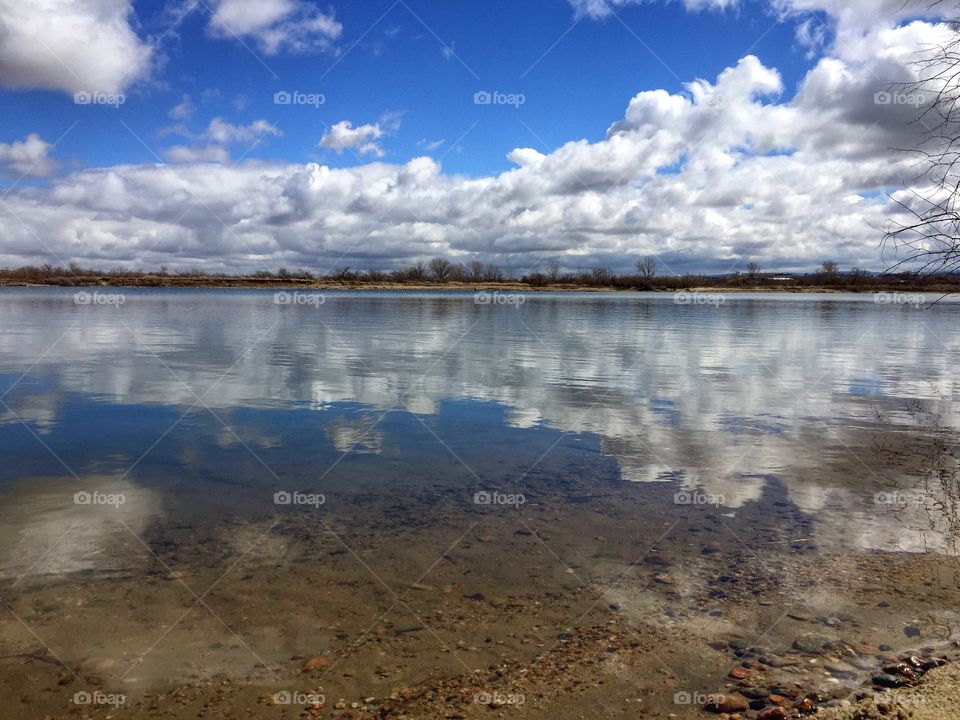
{"x":602,"y":276}
{"x":647,"y":267}
{"x":926,"y":234}
{"x":475,"y":269}
{"x":553,"y":272}
{"x":440,"y":269}
{"x":417,"y":271}
{"x":830,"y":268}
{"x":492,"y":273}
{"x":753,"y":269}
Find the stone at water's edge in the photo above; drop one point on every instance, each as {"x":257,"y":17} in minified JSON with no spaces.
{"x":316,"y":663}
{"x":727,"y":704}
{"x":775,"y":713}
{"x":813,"y":643}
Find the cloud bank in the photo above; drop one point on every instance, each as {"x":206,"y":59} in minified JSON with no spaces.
{"x":724,"y":172}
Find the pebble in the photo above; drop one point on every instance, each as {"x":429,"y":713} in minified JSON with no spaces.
{"x":774,"y":713}
{"x":887,"y":681}
{"x":315,"y":663}
{"x":813,"y":643}
{"x":841,"y":670}
{"x":775,"y":661}
{"x":727,"y":704}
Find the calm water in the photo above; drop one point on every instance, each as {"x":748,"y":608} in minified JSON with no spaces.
{"x":200,"y":392}
{"x":753,"y":441}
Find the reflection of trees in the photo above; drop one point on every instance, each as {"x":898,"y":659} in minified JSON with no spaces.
{"x":937,"y":480}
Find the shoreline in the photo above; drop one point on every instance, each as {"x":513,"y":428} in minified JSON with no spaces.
{"x":175,"y":283}
{"x":933,"y":697}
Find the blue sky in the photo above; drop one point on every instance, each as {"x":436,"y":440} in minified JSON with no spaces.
{"x":709,"y":133}
{"x":575,"y":75}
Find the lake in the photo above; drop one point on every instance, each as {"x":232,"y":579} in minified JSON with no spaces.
{"x":432,"y":503}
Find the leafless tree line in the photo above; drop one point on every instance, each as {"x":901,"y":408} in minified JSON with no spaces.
{"x":926,"y":234}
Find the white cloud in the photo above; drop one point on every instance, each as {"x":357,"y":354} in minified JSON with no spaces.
{"x":605,"y":8}
{"x":361,"y":139}
{"x":210,"y":145}
{"x":29,"y":157}
{"x":844,"y":13}
{"x":209,"y":153}
{"x":276,"y":26}
{"x":183,"y":110}
{"x":726,"y":170}
{"x":430,"y":145}
{"x":221,"y":131}
{"x":71,"y":45}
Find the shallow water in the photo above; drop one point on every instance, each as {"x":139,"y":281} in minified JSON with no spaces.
{"x":542,"y":453}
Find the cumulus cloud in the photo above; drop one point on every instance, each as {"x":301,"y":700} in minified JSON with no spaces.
{"x":361,"y":139}
{"x":276,"y":26}
{"x":27,"y":158}
{"x":724,"y":170}
{"x":71,"y":45}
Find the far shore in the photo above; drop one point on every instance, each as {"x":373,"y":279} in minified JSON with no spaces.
{"x":665,"y":285}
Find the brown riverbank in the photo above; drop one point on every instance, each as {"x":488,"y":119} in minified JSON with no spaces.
{"x":937,"y":697}
{"x":202,"y":282}
{"x":394,"y":600}
{"x":443,"y":275}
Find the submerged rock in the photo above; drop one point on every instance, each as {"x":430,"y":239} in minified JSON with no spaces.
{"x":316,"y":663}
{"x":813,"y":643}
{"x":774,"y":713}
{"x":888,"y":681}
{"x":727,"y":704}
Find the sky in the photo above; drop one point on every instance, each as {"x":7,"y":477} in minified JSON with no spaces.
{"x":236,"y":135}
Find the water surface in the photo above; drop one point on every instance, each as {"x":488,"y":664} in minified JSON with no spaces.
{"x":578,"y":435}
